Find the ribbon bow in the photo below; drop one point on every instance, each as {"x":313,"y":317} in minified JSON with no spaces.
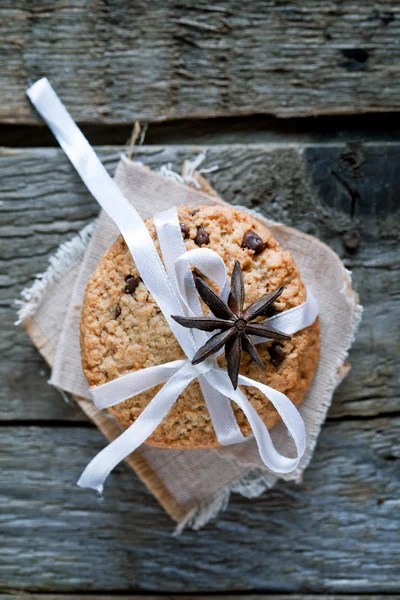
{"x":173,"y":289}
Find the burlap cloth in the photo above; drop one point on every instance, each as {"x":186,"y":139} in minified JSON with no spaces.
{"x":191,"y":485}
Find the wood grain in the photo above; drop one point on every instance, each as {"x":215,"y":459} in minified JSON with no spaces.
{"x":12,"y":596}
{"x":334,"y":536}
{"x":338,"y":531}
{"x":306,"y":186}
{"x":114,"y":62}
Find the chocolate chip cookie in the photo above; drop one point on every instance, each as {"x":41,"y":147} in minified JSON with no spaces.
{"x":123,"y":330}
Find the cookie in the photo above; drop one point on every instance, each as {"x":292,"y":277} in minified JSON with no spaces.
{"x":123,"y":330}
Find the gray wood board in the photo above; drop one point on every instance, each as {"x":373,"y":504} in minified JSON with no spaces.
{"x":338,"y":531}
{"x":14,"y":596}
{"x":325,"y":189}
{"x":116,"y":61}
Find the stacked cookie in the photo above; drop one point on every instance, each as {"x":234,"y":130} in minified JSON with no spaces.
{"x":123,"y":329}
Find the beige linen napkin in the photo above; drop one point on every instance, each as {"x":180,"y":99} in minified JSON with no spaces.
{"x":191,"y":485}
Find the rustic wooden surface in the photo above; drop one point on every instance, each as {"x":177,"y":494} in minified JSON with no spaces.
{"x":116,"y":61}
{"x":201,"y":597}
{"x":337,"y":534}
{"x":338,"y":531}
{"x":304,"y":185}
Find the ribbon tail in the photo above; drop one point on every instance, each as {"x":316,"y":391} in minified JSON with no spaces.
{"x":99,"y":468}
{"x":222,"y":416}
{"x":126,"y":386}
{"x":272,"y":459}
{"x":109,"y":196}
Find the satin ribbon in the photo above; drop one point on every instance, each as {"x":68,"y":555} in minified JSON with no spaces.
{"x":173,"y":289}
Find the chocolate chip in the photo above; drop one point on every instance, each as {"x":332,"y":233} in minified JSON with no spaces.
{"x":117,"y":311}
{"x":202,"y":237}
{"x":351,"y":240}
{"x":276,"y":354}
{"x":194,"y":212}
{"x":253,"y":241}
{"x":185,"y":231}
{"x":131,"y":283}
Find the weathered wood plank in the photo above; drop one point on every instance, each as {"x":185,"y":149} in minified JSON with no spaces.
{"x":58,"y":206}
{"x":114,"y":62}
{"x":338,"y":531}
{"x":44,"y":202}
{"x":12,"y":596}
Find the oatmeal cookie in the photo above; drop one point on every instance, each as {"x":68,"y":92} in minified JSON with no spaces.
{"x":123,"y":330}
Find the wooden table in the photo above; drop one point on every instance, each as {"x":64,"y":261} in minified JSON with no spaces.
{"x":256,"y":68}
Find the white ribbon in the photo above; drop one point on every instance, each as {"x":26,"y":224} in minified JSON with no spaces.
{"x":172,"y":287}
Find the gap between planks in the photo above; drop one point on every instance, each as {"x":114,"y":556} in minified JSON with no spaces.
{"x":222,"y":130}
{"x":162,"y":596}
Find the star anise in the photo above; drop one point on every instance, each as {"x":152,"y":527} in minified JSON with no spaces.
{"x":234,"y":323}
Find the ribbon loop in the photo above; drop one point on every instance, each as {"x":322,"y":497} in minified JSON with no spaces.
{"x":207,"y":262}
{"x":288,"y":412}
